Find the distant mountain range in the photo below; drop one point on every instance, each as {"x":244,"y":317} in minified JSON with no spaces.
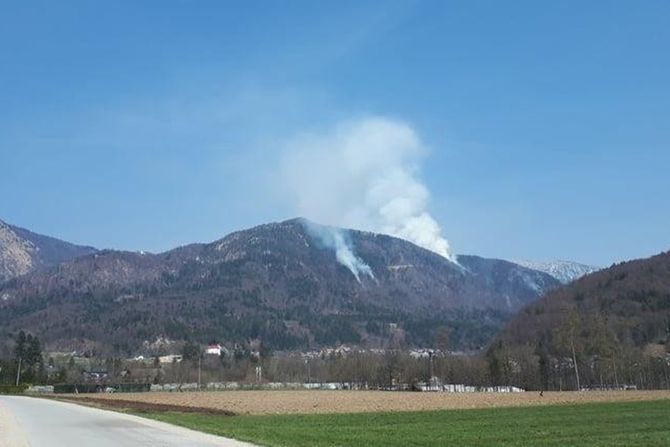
{"x":275,"y":283}
{"x":22,"y":251}
{"x":564,"y":271}
{"x":296,"y":285}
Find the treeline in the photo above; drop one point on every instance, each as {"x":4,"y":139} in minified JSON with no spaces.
{"x":585,"y":350}
{"x":499,"y":366}
{"x":527,"y":370}
{"x":538,"y":369}
{"x":25,"y":362}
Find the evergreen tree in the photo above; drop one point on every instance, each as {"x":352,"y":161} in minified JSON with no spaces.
{"x":28,"y":356}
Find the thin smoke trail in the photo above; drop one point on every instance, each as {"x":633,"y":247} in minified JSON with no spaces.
{"x":337,"y":240}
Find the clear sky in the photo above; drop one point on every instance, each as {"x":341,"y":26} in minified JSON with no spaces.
{"x":146,"y":125}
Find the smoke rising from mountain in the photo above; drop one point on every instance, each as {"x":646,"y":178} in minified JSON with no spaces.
{"x":338,"y":240}
{"x":364,"y":175}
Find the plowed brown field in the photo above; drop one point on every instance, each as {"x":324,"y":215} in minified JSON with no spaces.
{"x":298,"y":402}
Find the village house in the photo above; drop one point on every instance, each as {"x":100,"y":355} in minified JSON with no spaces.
{"x":214,"y":349}
{"x":171,"y":358}
{"x":95,"y":374}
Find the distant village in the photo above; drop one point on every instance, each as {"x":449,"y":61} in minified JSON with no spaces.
{"x":218,"y":367}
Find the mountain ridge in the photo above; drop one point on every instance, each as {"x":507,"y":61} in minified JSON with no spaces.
{"x":23,"y":251}
{"x":274,"y":282}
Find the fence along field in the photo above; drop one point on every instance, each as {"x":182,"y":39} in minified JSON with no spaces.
{"x":322,"y":402}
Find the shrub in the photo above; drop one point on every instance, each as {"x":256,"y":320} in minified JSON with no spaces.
{"x":13,"y":389}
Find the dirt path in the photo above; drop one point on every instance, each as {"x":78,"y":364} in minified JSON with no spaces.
{"x":297,"y":402}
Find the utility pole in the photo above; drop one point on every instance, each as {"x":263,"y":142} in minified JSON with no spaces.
{"x":574,"y":360}
{"x":199,"y":369}
{"x":616,"y":377}
{"x":18,"y":373}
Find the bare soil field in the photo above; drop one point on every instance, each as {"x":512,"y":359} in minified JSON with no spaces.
{"x":303,"y":402}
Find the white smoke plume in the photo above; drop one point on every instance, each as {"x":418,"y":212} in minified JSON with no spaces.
{"x":364,"y":175}
{"x":338,"y":240}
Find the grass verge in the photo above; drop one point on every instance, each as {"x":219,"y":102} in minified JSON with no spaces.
{"x":602,"y":424}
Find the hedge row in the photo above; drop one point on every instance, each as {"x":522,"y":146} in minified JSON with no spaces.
{"x":93,"y":388}
{"x":13,"y":389}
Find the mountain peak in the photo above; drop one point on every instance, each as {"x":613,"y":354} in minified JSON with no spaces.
{"x":22,"y":251}
{"x":564,"y":271}
{"x":296,"y":289}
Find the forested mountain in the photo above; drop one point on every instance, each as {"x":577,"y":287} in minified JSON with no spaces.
{"x":277,"y":283}
{"x":22,"y":251}
{"x":614,"y":324}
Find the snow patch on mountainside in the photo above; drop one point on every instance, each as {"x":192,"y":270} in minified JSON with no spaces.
{"x":564,"y":271}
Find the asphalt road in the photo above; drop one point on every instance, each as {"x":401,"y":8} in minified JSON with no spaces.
{"x":34,"y":422}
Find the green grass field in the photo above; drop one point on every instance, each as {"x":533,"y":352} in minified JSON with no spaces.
{"x":610,"y":424}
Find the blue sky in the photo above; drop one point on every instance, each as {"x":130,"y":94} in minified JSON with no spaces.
{"x":146,"y":125}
